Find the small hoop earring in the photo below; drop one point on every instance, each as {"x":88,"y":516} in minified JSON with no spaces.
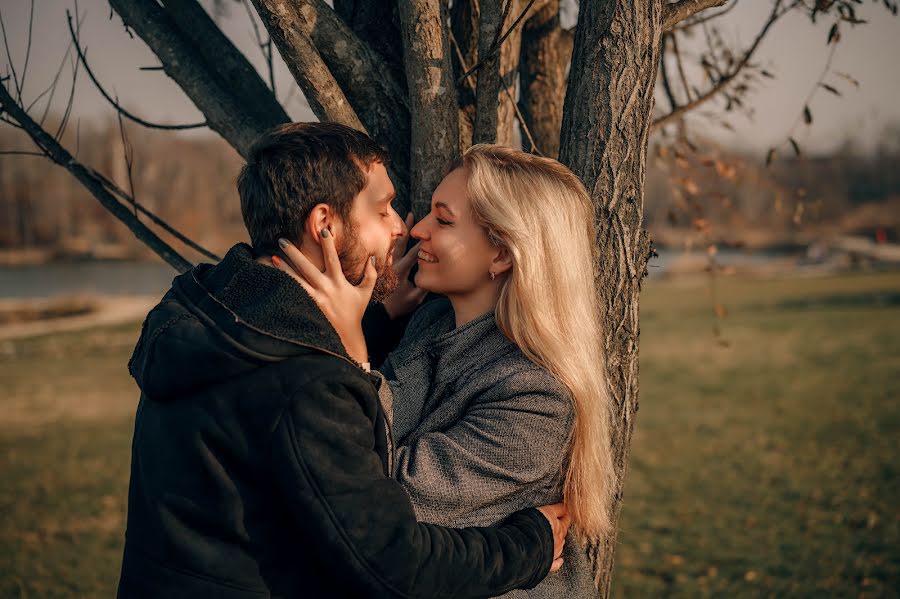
{"x":493,"y":276}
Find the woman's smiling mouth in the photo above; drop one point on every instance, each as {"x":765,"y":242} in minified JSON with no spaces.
{"x":426,"y":257}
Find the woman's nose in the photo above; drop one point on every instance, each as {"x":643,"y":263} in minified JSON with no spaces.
{"x":420,"y":230}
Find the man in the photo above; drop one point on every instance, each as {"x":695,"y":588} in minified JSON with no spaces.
{"x":260,"y":448}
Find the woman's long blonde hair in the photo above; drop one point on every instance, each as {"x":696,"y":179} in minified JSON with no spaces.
{"x":541,"y":213}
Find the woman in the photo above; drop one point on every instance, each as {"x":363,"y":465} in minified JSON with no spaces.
{"x":499,"y":389}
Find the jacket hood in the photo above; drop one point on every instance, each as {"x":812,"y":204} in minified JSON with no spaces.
{"x":220,"y":321}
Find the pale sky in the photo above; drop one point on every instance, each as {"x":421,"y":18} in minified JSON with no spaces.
{"x":795,"y":51}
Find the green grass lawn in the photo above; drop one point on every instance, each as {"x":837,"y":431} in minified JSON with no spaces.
{"x":763,"y":461}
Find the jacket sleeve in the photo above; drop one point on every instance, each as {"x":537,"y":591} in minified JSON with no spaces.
{"x":511,"y":442}
{"x":348,"y":510}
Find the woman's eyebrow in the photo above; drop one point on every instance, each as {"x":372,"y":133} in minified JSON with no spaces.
{"x":445,"y":207}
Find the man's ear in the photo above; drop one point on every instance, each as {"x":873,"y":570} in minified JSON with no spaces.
{"x":502,"y":261}
{"x":320,"y":217}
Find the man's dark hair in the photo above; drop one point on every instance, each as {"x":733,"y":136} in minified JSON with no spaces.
{"x":296,"y":166}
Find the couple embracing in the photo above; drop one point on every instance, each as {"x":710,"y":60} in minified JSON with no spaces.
{"x":312,"y":425}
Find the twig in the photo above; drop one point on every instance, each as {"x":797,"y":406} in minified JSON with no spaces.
{"x":128,"y":151}
{"x":56,"y":152}
{"x":676,"y":12}
{"x":705,"y":18}
{"x":69,"y":104}
{"x":497,"y":46}
{"x":726,"y":79}
{"x":265,"y":47}
{"x":12,"y":67}
{"x":664,"y":71}
{"x":83,"y":59}
{"x":28,"y":46}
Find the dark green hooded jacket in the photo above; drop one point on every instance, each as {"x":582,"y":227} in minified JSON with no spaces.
{"x":259,"y":462}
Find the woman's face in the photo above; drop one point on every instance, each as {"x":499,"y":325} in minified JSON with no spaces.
{"x":455,"y":253}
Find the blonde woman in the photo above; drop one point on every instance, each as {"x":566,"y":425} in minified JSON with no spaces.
{"x":499,"y":388}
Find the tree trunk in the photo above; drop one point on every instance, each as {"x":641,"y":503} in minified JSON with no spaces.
{"x":606,"y":122}
{"x":546,"y":53}
{"x":433,"y":108}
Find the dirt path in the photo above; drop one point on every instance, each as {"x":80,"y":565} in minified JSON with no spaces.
{"x":111,"y":309}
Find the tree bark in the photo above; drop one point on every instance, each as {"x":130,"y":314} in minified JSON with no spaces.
{"x":545,"y":56}
{"x":488,"y":89}
{"x":434,"y":112}
{"x":367,"y":81}
{"x":231,"y":66}
{"x":322,"y":92}
{"x":606,"y":122}
{"x":225,"y":113}
{"x":377,"y":23}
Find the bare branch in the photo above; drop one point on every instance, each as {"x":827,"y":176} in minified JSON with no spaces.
{"x":704,"y":18}
{"x":264,"y":46}
{"x":114,"y":102}
{"x":223,"y":58}
{"x":224,"y":104}
{"x":325,"y":96}
{"x":725,"y":79}
{"x":12,"y":67}
{"x":28,"y":46}
{"x":364,"y":78}
{"x":664,"y":71}
{"x":675,"y":12}
{"x":496,"y":48}
{"x":61,"y":156}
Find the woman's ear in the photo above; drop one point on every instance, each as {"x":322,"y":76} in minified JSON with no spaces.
{"x":502,"y":261}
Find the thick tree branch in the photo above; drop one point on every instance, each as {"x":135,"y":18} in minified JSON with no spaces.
{"x":222,"y":105}
{"x":325,"y":96}
{"x":434,"y":112}
{"x":725,"y":79}
{"x":83,"y":58}
{"x":367,"y":81}
{"x":230,"y":65}
{"x":676,"y":12}
{"x":92,"y":182}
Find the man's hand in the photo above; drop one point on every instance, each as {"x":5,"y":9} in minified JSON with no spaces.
{"x":560,"y":520}
{"x":406,"y":297}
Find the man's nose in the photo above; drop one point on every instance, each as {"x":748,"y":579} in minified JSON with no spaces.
{"x":399,"y":227}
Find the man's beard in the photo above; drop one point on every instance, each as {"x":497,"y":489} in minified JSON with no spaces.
{"x":353,"y":257}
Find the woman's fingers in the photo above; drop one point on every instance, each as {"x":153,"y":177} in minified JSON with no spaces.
{"x":329,"y":253}
{"x":301,"y":263}
{"x":557,"y":565}
{"x":400,"y":246}
{"x":367,"y":285}
{"x":405,"y":264}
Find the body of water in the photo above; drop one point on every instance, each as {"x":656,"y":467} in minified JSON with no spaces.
{"x":154,"y":278}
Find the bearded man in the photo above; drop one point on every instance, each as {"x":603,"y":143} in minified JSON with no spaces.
{"x":260,"y":452}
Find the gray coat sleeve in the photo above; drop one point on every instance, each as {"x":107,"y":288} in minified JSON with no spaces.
{"x":510,"y":444}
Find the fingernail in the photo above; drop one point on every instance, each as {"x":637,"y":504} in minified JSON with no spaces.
{"x":325,"y":233}
{"x":276,"y":260}
{"x":372,"y":260}
{"x":282,"y":243}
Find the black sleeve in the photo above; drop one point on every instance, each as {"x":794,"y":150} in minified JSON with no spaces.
{"x":382,"y":333}
{"x":344,"y":505}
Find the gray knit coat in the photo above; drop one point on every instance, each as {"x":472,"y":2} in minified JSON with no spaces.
{"x":480,"y":431}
